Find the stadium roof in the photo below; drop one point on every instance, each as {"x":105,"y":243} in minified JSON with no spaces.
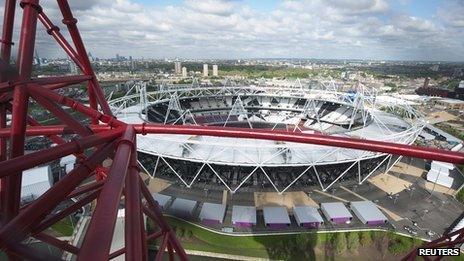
{"x":251,"y":152}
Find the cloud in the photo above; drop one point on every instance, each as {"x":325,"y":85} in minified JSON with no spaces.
{"x":414,"y":24}
{"x":360,"y":6}
{"x":233,"y":29}
{"x":216,"y":7}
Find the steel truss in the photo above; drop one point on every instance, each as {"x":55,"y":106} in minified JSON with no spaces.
{"x":362,"y":102}
{"x":17,"y":89}
{"x":104,"y":137}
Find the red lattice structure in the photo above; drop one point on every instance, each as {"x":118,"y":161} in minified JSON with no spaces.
{"x":104,"y":137}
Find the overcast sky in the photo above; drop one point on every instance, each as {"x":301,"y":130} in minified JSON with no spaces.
{"x":352,"y":29}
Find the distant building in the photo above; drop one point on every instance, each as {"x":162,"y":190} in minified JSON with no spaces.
{"x":215,"y":70}
{"x":72,"y":67}
{"x":177,"y":67}
{"x":460,"y":91}
{"x":450,"y":104}
{"x":205,"y":70}
{"x":184,"y":72}
{"x":426,"y":82}
{"x":458,"y":72}
{"x":435,"y":68}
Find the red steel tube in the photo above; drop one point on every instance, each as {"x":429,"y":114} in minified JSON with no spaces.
{"x":162,"y":247}
{"x":97,"y":240}
{"x":155,"y":213}
{"x":7,"y":34}
{"x":62,"y":115}
{"x":51,"y":130}
{"x":66,"y":212}
{"x":170,"y":252}
{"x":11,"y":193}
{"x":86,"y":188}
{"x":77,"y":106}
{"x":123,"y":250}
{"x":326,"y":140}
{"x":70,"y":22}
{"x":3,"y":152}
{"x":319,"y":139}
{"x":144,"y":232}
{"x":28,"y":253}
{"x":132,"y":222}
{"x":3,"y":138}
{"x":57,"y":243}
{"x":18,"y":228}
{"x":54,"y":138}
{"x":54,"y":31}
{"x":33,"y":159}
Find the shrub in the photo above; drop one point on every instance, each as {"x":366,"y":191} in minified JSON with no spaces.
{"x":180,"y":232}
{"x":365,"y":238}
{"x":399,"y":244}
{"x":189,"y":233}
{"x":339,"y":243}
{"x":352,"y":240}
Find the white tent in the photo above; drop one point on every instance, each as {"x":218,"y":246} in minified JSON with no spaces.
{"x":35,"y":182}
{"x":439,"y":173}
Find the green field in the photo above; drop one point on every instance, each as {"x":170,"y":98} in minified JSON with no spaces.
{"x":303,"y":246}
{"x":63,"y":227}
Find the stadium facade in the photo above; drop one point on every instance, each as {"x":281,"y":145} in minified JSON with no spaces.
{"x":240,"y":164}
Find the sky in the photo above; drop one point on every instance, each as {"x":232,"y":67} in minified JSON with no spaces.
{"x":236,"y":29}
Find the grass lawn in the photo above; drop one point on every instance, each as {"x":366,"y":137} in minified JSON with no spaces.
{"x":63,"y":227}
{"x":256,"y":246}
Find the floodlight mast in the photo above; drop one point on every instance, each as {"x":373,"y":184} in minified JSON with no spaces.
{"x":106,"y":137}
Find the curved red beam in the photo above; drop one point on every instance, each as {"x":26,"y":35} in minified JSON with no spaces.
{"x":318,"y":139}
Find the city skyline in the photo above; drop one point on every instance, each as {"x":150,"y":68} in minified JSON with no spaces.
{"x":336,"y":29}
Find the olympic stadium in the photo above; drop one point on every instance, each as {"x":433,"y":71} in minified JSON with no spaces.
{"x":239,"y":164}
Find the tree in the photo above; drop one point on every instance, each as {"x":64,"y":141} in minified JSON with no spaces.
{"x":189,"y":234}
{"x":339,"y":243}
{"x":365,"y":238}
{"x":180,"y":232}
{"x":305,"y":244}
{"x":352,"y":239}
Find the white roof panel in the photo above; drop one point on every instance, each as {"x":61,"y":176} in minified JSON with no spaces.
{"x":336,"y":210}
{"x":244,"y":214}
{"x":368,"y":211}
{"x":213,"y":211}
{"x":276,"y":215}
{"x":307,"y":214}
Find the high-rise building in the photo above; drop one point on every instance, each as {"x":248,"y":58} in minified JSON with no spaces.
{"x":184,"y":72}
{"x":72,"y":67}
{"x":205,"y":70}
{"x":177,"y":67}
{"x":215,"y":70}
